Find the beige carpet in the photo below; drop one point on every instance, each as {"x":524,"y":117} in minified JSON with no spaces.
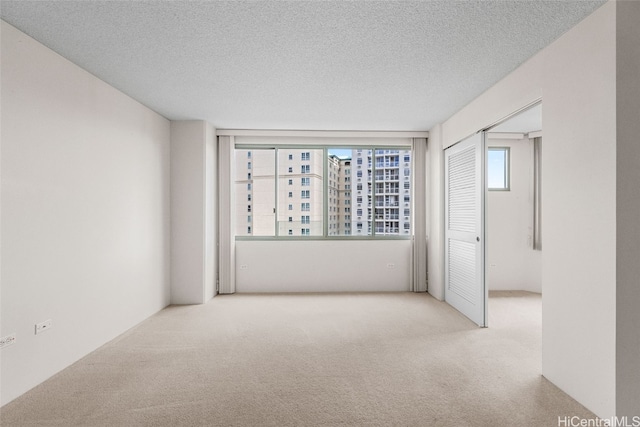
{"x":399,"y":359}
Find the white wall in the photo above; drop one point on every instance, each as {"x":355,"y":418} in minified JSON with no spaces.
{"x":193,"y":212}
{"x":85,"y":212}
{"x":435,"y":239}
{"x":323,"y":266}
{"x":210,"y":213}
{"x":512,"y":263}
{"x":628,"y":206}
{"x":579,"y":212}
{"x":576,"y":78}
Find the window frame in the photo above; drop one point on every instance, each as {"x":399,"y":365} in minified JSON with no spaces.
{"x":373,"y":147}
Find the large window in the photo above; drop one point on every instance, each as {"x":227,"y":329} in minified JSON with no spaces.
{"x":307,"y":191}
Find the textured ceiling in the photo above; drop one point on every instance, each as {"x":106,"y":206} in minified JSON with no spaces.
{"x":299,"y":65}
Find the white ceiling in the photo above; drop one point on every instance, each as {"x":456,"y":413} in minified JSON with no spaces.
{"x":527,"y":121}
{"x":327,"y":65}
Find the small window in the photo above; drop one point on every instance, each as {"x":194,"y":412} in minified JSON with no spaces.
{"x":290,"y":194}
{"x":290,"y":156}
{"x":306,"y":169}
{"x":290,"y":207}
{"x":248,"y":208}
{"x":290,"y":169}
{"x":498,"y":168}
{"x":305,"y":207}
{"x":306,"y":182}
{"x":306,"y":156}
{"x":290,"y":232}
{"x":290,"y":182}
{"x":305,"y":194}
{"x":248,"y":165}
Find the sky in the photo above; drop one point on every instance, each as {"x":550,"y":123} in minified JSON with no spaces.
{"x":343,"y":153}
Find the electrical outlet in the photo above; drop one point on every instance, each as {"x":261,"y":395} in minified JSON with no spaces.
{"x":243,"y":266}
{"x":8,"y":340}
{"x":391,"y":266}
{"x":43,"y":326}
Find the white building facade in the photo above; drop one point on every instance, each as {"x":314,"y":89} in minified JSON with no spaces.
{"x":367,"y":193}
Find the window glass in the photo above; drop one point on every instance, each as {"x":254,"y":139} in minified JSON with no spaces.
{"x":387,"y":192}
{"x":257,"y":190}
{"x":498,"y":168}
{"x":344,"y":159}
{"x":289,"y":194}
{"x":309,"y":200}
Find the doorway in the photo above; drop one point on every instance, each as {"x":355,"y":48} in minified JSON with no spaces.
{"x":512,"y":220}
{"x":492,"y":214}
{"x":513,"y":233}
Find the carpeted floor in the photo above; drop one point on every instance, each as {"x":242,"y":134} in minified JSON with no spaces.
{"x":398,"y":359}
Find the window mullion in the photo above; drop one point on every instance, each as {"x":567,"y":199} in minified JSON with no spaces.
{"x":276,"y":199}
{"x":325,"y":190}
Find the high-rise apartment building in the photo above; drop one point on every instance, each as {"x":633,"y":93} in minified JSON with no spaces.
{"x":368,"y":192}
{"x":344,"y":197}
{"x":333,"y":196}
{"x":381,"y":192}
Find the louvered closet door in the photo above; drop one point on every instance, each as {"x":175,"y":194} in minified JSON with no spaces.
{"x":464,"y":228}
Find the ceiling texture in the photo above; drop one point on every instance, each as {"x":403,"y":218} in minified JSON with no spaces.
{"x":315,"y":65}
